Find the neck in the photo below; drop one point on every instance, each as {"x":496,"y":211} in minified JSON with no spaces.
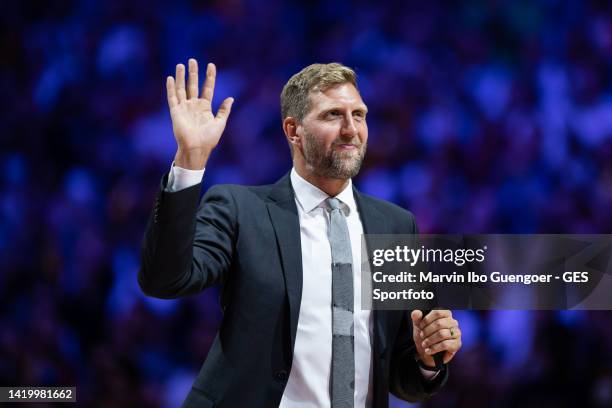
{"x":330,"y":186}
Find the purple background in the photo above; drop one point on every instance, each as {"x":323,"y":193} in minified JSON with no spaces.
{"x":489,"y":117}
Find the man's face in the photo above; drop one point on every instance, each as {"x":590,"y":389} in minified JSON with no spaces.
{"x":335,"y":132}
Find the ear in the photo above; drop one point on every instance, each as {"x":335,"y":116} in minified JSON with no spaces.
{"x":290,"y":127}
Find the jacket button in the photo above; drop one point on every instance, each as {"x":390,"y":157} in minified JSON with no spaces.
{"x":281,"y":375}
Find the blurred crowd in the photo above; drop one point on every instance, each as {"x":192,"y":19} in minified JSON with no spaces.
{"x":484,"y":117}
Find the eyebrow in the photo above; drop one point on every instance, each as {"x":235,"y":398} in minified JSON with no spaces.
{"x":362,"y":108}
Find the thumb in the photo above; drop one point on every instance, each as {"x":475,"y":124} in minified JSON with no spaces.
{"x":416,"y":316}
{"x":225,"y":109}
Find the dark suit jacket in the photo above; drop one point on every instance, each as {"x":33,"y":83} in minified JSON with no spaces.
{"x":248,"y":239}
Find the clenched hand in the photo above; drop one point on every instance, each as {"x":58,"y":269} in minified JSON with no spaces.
{"x":434,"y":333}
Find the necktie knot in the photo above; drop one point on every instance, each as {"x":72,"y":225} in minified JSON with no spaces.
{"x":334,"y":203}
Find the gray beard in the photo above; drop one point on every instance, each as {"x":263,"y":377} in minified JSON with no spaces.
{"x":334,"y":164}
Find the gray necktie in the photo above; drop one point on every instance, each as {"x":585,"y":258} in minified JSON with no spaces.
{"x":342,"y":384}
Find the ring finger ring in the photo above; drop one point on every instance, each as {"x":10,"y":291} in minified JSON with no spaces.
{"x":452,"y":332}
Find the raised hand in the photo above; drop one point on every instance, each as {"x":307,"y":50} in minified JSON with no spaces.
{"x":196,"y":129}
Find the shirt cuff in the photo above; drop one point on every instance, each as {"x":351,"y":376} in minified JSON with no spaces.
{"x":180,"y":178}
{"x":429,"y":375}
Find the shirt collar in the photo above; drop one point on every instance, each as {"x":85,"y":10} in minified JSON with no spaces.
{"x":310,"y":197}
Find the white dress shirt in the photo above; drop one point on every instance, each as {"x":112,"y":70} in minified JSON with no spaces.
{"x":308,"y":383}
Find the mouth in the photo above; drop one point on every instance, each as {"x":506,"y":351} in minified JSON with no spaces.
{"x":346,"y":146}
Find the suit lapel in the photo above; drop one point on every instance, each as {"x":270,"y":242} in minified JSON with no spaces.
{"x":285,"y":221}
{"x":286,"y":224}
{"x":374,"y":222}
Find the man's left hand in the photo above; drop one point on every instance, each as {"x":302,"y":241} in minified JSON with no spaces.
{"x":434,"y":333}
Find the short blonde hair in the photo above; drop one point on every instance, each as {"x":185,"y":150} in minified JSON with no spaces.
{"x":295,"y":101}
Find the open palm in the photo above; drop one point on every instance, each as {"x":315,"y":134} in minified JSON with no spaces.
{"x":196,"y":129}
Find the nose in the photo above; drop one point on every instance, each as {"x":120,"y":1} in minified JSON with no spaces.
{"x":349,"y":129}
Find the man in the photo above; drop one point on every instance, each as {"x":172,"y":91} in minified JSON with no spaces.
{"x":288,"y":255}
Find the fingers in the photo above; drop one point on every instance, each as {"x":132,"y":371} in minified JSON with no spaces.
{"x":441,"y":335}
{"x":171,"y":91}
{"x":444,"y":323}
{"x":450,"y":346}
{"x":192,"y":81}
{"x":434,"y":315}
{"x":180,"y":83}
{"x":225,"y":109}
{"x":177,"y":92}
{"x":208,"y":89}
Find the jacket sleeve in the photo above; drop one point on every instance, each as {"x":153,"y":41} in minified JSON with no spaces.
{"x":187,"y":249}
{"x":405,"y":378}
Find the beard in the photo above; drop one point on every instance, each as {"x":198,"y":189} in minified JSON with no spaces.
{"x":333,"y":163}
